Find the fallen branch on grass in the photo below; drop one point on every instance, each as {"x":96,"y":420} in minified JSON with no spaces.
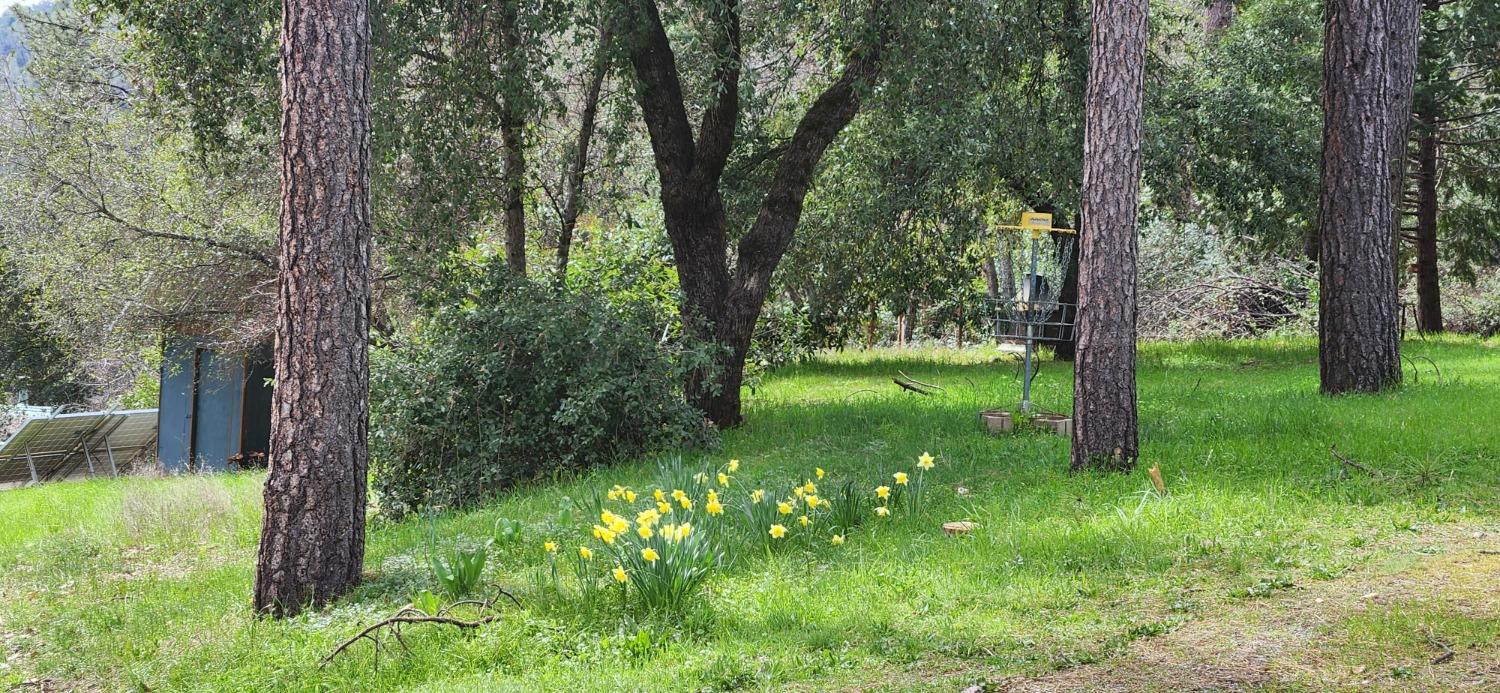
{"x":1351,"y":463}
{"x":409,"y":614}
{"x":914,"y":381}
{"x":1448,"y":652}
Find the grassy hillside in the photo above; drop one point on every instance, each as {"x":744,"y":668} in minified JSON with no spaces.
{"x":145,"y":583}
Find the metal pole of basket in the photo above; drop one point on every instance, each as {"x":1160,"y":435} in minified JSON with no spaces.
{"x":1030,"y":324}
{"x":1037,"y":301}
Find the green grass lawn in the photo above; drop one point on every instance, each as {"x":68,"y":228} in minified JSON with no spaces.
{"x":145,"y":583}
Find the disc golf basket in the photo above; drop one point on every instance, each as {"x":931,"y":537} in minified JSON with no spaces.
{"x":1031,"y":264}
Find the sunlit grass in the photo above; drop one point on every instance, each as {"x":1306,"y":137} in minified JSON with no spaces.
{"x":145,"y":583}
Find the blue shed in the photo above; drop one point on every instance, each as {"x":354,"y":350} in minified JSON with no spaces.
{"x":215,"y":407}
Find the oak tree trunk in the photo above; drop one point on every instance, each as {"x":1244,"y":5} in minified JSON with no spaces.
{"x":512,"y":127}
{"x":721,"y":302}
{"x":573,"y":184}
{"x":313,"y":533}
{"x":1104,"y":395}
{"x":1369,"y":60}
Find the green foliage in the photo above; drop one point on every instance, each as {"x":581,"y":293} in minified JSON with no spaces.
{"x":1052,"y":570}
{"x":37,"y":362}
{"x":507,"y":531}
{"x":458,"y":572}
{"x":848,"y":506}
{"x":511,"y":381}
{"x":426,"y":602}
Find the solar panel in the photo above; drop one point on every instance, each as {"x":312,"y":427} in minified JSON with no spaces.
{"x":56,"y":447}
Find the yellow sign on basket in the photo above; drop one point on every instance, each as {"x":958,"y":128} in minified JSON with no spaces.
{"x":1036,"y":220}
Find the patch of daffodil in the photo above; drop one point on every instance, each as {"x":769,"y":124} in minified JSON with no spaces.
{"x":662,"y":556}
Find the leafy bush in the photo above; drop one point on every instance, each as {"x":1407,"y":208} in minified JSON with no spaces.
{"x":1475,"y":308}
{"x":509,"y":381}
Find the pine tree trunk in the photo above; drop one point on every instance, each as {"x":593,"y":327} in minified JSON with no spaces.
{"x":1369,"y":61}
{"x":313,"y":532}
{"x":1067,"y":349}
{"x":1104,"y":395}
{"x":1429,"y":297}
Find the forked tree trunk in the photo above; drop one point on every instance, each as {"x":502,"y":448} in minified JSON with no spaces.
{"x":1429,"y":296}
{"x":313,"y":533}
{"x":1104,"y":400}
{"x":721,"y":303}
{"x":1369,"y":60}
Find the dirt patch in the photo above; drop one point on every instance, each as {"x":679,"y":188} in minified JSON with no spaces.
{"x":1381,"y":627}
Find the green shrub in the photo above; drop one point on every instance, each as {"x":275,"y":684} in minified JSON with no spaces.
{"x":509,"y":381}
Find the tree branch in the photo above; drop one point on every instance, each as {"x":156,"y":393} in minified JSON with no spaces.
{"x":763,"y":245}
{"x":716,"y":135}
{"x":660,"y":93}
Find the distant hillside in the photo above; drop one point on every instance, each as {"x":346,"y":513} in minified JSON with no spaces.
{"x":12,"y":43}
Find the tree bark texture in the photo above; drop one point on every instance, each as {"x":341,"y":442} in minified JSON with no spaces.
{"x":1104,"y":394}
{"x":1429,"y":292}
{"x":573,"y":184}
{"x":1369,"y":61}
{"x":721,"y":303}
{"x":512,"y":140}
{"x":313,"y":533}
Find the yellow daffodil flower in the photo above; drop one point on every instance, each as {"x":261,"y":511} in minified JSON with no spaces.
{"x":882,"y":511}
{"x":685,"y":502}
{"x":900,"y":478}
{"x":837,"y":540}
{"x":550,"y":547}
{"x":819,"y":472}
{"x":714,"y":507}
{"x":784,"y":508}
{"x":798,"y":492}
{"x":659,"y":495}
{"x":620,"y":526}
{"x":813,"y":501}
{"x":678,"y":494}
{"x":650,"y":555}
{"x":644,"y":531}
{"x":620,"y":576}
{"x":585,"y":553}
{"x":647,"y":517}
{"x":663,"y":508}
{"x":734,"y":466}
{"x":758,"y":495}
{"x":629,"y":496}
{"x":777,"y":531}
{"x":925,"y":461}
{"x":683,"y":530}
{"x":723,"y":479}
{"x":804,"y":520}
{"x":809,"y":487}
{"x":882,"y":492}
